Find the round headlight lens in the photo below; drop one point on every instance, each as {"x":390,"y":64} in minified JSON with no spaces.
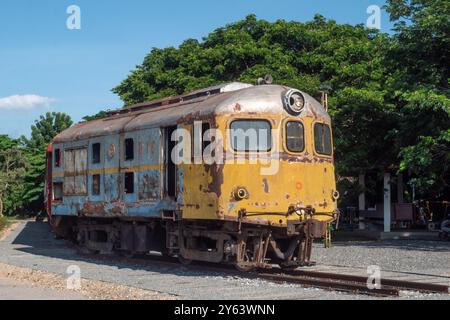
{"x":336,"y":195}
{"x":294,"y":101}
{"x":240,"y":194}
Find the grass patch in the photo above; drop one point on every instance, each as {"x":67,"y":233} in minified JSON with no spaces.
{"x":4,"y":222}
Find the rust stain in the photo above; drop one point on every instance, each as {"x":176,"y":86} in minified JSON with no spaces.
{"x":217,"y":179}
{"x":266,"y":186}
{"x":140,"y":150}
{"x":149,"y":188}
{"x":100,"y":209}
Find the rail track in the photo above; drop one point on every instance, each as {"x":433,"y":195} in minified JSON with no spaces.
{"x":315,"y":279}
{"x":351,"y":283}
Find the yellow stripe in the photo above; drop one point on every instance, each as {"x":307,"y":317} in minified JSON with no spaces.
{"x":116,"y":170}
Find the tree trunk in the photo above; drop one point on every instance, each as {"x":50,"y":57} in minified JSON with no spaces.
{"x":1,"y":205}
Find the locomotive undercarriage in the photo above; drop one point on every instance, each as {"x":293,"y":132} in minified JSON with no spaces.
{"x":246,"y":246}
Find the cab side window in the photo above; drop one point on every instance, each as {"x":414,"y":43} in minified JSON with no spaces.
{"x":129,"y":149}
{"x":57,"y":158}
{"x":295,"y":136}
{"x":251,"y":135}
{"x":322,"y":139}
{"x":96,"y":151}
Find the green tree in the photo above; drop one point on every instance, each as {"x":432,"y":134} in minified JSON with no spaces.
{"x":45,"y":129}
{"x":300,"y":55}
{"x":417,"y":83}
{"x":420,"y":49}
{"x":42,"y":133}
{"x":13,"y":166}
{"x":389,"y":101}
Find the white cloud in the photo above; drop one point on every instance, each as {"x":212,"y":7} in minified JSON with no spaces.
{"x":24,"y":102}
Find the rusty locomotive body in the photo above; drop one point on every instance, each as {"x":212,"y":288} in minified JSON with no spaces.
{"x":235,"y":173}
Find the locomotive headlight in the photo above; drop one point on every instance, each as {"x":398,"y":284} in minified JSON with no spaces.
{"x":336,"y":195}
{"x":240,"y":194}
{"x":294,"y":102}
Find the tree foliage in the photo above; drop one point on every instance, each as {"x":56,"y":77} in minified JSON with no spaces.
{"x":13,"y":166}
{"x":418,"y":58}
{"x":389,"y":101}
{"x":45,"y":129}
{"x":22,"y":165}
{"x":300,"y":55}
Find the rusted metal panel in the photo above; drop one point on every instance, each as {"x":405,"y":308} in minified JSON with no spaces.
{"x":253,"y":100}
{"x":80,"y":171}
{"x":69,"y":167}
{"x":191,"y":96}
{"x":75,"y":172}
{"x":97,"y":169}
{"x":149,"y":185}
{"x":112,"y":187}
{"x":112,"y":178}
{"x":94,"y":128}
{"x":129,"y":165}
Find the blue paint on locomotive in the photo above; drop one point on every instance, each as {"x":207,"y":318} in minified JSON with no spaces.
{"x":147,"y":198}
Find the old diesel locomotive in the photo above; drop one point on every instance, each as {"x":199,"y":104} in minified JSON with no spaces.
{"x":114,"y":186}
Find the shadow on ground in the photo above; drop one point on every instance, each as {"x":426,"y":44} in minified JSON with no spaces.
{"x":36,"y":238}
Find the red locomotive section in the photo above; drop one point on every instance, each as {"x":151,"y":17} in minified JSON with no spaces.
{"x":48,"y":181}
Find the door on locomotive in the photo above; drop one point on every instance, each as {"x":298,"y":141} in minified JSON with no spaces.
{"x":170,"y":168}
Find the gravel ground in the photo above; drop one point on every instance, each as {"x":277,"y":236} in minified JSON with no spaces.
{"x":49,"y":285}
{"x":15,"y":290}
{"x":407,"y":256}
{"x":31,"y":246}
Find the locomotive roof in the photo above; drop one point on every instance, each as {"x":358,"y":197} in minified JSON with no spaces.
{"x":232,"y":98}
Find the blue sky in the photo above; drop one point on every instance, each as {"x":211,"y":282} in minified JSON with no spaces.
{"x":46,"y":67}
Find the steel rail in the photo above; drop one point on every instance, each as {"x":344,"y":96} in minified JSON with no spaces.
{"x":401,"y":284}
{"x":331,"y":284}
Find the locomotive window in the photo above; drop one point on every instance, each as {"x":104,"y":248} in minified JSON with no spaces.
{"x":322,"y":138}
{"x":295,"y":136}
{"x":251,"y":135}
{"x":57,"y":191}
{"x":129,"y":182}
{"x":129,"y":149}
{"x":96,"y":185}
{"x":96,"y":153}
{"x":57,"y":158}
